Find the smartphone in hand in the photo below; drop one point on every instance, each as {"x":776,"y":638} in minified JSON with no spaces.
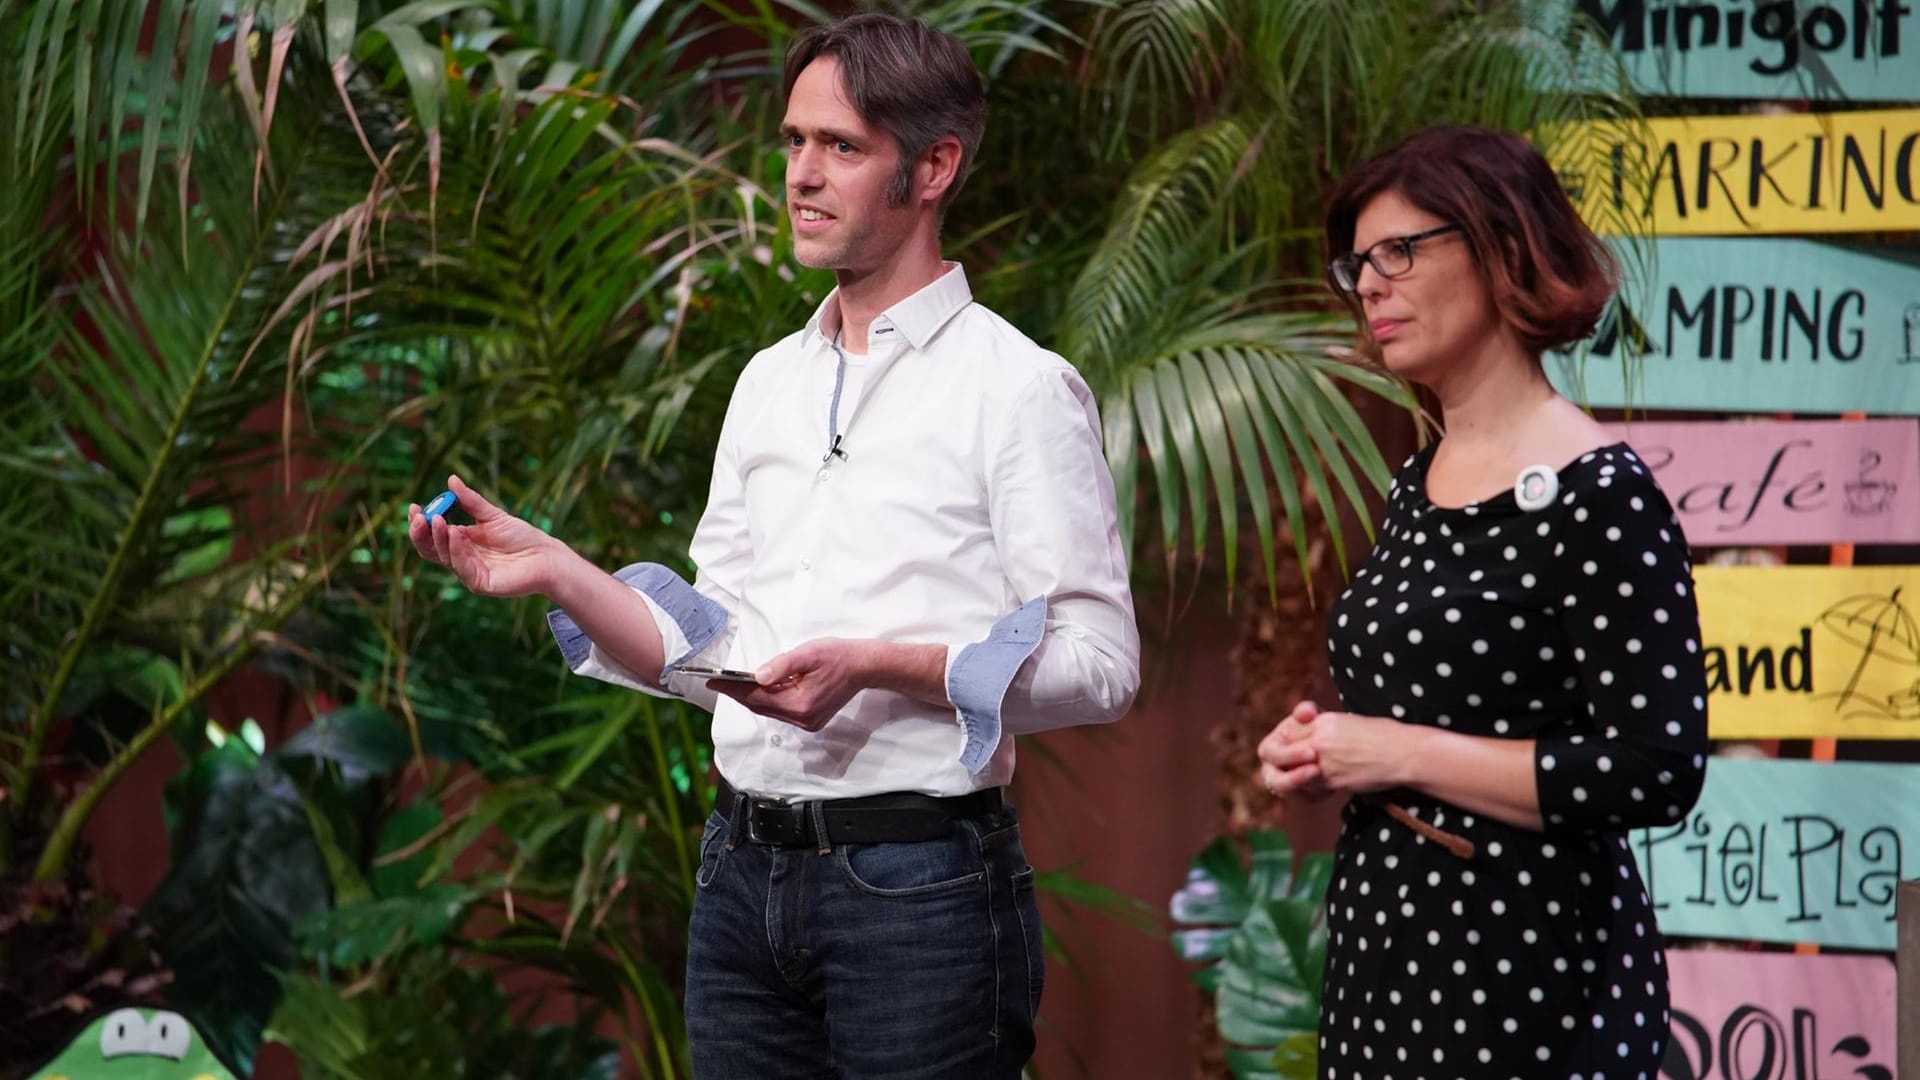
{"x":727,"y":674}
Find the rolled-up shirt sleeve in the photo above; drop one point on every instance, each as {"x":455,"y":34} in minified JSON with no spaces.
{"x":698,"y":621}
{"x":694,"y":628}
{"x":1070,"y":653}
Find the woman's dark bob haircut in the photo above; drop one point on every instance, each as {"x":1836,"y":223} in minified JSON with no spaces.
{"x":1549,"y":275}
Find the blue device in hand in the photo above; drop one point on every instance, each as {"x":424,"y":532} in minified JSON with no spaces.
{"x":441,"y":503}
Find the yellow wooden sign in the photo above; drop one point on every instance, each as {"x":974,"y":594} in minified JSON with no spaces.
{"x":1811,"y":651}
{"x":1748,"y":175}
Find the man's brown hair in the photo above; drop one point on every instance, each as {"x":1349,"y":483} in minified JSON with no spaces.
{"x":911,"y":81}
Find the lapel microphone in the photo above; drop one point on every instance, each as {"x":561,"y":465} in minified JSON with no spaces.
{"x":833,"y":414}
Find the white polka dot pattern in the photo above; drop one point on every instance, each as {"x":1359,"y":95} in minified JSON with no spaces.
{"x":1573,"y":626}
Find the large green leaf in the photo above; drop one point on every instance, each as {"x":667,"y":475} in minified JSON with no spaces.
{"x":364,"y":931}
{"x":355,"y":744}
{"x":1270,"y":979}
{"x":1260,"y":928}
{"x":401,"y":860}
{"x":245,"y":871}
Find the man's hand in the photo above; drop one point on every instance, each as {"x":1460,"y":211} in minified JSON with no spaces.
{"x":497,"y":555}
{"x":808,"y":685}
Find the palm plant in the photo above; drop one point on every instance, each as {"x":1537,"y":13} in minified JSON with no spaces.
{"x":123,"y":468}
{"x":1199,"y":316}
{"x":209,"y":441}
{"x":142,"y":576}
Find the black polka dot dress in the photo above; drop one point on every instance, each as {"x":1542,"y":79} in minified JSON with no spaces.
{"x":1573,"y":625}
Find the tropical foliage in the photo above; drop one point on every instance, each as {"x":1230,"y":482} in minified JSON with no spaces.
{"x":271,"y":268}
{"x":1260,"y":930}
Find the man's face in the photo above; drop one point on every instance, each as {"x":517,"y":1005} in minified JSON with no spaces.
{"x":838,"y":171}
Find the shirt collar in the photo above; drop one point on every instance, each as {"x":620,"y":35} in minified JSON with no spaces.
{"x":918,"y":318}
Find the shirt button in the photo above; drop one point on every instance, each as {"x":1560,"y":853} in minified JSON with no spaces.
{"x":777,"y":740}
{"x":825,"y":475}
{"x":806,"y":564}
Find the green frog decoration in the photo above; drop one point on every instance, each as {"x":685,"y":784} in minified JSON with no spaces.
{"x":136,"y":1044}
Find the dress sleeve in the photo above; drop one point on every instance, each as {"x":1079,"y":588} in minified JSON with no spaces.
{"x":1626,"y":603}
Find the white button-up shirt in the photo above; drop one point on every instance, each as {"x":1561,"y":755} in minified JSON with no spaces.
{"x":972,"y":508}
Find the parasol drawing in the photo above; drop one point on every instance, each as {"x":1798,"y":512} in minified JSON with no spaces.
{"x":1881,"y":628}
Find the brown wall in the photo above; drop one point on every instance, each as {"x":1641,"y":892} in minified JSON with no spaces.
{"x":1129,"y":805}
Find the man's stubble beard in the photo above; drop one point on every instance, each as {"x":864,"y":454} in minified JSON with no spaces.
{"x":844,"y":253}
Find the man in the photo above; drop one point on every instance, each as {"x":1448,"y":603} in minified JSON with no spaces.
{"x":910,"y":540}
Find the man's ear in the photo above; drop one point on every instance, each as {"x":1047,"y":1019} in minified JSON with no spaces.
{"x":939,"y":169}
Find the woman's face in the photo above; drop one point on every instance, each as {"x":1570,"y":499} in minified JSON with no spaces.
{"x":1434,"y":313}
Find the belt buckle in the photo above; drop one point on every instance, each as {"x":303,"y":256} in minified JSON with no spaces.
{"x":753,"y":823}
{"x":772,"y":823}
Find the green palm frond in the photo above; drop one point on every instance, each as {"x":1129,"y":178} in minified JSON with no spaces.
{"x":998,"y":32}
{"x":1171,"y":204}
{"x":1225,"y":392}
{"x":1282,"y":97}
{"x":29,"y":325}
{"x":1155,"y":57}
{"x":630,"y":48}
{"x":550,"y":276}
{"x":140,"y":427}
{"x":83,"y":81}
{"x":1223,"y":414}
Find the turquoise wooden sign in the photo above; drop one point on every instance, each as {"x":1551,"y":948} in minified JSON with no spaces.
{"x":1760,"y":325}
{"x":1787,"y":851}
{"x":1853,"y":50}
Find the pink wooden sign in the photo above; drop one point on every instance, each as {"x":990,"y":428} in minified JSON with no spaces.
{"x":1737,"y":483}
{"x":1779,"y":1016}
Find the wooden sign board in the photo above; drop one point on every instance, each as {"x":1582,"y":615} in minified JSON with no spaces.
{"x":1757,"y":483}
{"x":1749,"y":175}
{"x":1760,"y":325}
{"x":1811,"y":651}
{"x":1759,"y":50}
{"x":1787,"y":851}
{"x":1812,"y":1017}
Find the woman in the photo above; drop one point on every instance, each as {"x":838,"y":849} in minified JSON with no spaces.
{"x":1519,"y":659}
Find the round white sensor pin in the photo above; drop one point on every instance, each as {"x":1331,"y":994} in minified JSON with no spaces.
{"x":1536,"y":487}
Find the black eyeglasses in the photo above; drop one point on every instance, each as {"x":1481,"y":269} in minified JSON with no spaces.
{"x":1391,"y":258}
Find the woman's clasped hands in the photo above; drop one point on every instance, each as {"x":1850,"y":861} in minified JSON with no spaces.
{"x":1311,"y":754}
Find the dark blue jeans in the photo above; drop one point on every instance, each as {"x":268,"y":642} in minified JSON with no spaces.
{"x":871,"y":962}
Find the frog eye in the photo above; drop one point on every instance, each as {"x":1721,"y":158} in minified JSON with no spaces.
{"x":125,"y":1032}
{"x":169,"y":1036}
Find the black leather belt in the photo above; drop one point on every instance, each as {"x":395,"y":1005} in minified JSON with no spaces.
{"x":890,"y":818}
